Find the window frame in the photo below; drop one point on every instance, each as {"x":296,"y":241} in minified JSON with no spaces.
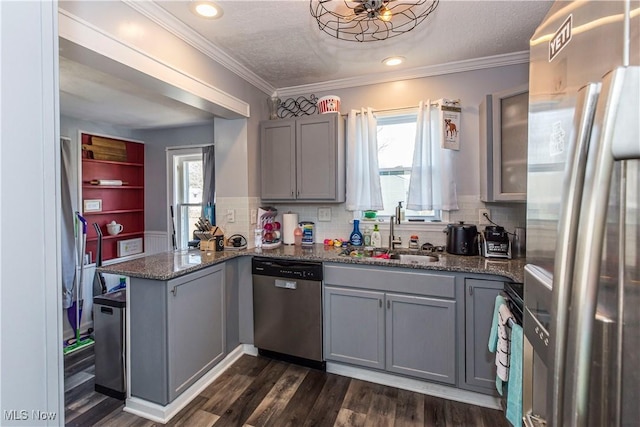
{"x":178,"y":186}
{"x":386,"y":118}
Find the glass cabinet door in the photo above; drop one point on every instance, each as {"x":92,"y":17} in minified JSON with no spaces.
{"x":513,"y":145}
{"x":504,"y":122}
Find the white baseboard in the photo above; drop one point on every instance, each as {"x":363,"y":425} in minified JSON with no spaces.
{"x":250,"y":349}
{"x":162,"y":414}
{"x":431,"y":389}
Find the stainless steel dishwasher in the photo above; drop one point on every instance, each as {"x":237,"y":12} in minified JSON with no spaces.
{"x":287,"y":310}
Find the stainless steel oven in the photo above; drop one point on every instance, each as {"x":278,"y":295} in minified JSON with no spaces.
{"x":287,"y":310}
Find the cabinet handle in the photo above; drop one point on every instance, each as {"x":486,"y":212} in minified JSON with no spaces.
{"x":380,"y":302}
{"x":298,"y":192}
{"x":388,"y":305}
{"x":174,"y":291}
{"x":470,"y":290}
{"x":291,"y":193}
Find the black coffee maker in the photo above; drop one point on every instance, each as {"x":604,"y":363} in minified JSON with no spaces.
{"x":495,"y":242}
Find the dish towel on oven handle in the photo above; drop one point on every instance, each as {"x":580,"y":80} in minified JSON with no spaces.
{"x":499,"y":340}
{"x":514,"y":385}
{"x":503,"y":352}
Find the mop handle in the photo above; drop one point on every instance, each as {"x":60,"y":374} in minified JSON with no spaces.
{"x":84,"y":223}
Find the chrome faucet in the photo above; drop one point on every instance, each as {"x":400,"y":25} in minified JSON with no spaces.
{"x":392,"y":239}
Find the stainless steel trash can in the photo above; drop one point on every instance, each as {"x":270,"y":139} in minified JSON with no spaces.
{"x":109,"y":333}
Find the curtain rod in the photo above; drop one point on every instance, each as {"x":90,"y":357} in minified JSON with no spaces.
{"x":433,"y":104}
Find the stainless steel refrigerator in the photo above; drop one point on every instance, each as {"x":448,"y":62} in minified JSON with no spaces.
{"x":582,"y":281}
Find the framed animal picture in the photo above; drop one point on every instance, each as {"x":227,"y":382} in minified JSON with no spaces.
{"x":450,"y":121}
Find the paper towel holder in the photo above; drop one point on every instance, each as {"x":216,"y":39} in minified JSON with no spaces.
{"x":289,"y":224}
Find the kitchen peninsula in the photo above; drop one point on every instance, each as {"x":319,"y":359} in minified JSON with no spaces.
{"x":190,"y":316}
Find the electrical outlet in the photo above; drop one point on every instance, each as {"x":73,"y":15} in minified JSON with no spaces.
{"x":324,"y":214}
{"x":253,"y":215}
{"x":231,"y":215}
{"x":482,"y":220}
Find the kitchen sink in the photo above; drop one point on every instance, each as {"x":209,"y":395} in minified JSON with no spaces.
{"x":414,"y":258}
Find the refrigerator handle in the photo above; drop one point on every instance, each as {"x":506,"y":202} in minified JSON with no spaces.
{"x":566,"y":243}
{"x":617,"y":95}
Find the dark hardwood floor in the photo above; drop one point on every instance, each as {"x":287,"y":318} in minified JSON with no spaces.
{"x":257,"y":391}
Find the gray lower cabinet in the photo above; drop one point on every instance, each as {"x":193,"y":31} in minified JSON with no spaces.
{"x":406,"y":334}
{"x":354,"y":326}
{"x":421,"y":334}
{"x":177,"y":332}
{"x":480,"y":369}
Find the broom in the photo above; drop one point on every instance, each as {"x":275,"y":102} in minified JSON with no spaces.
{"x":74,"y":313}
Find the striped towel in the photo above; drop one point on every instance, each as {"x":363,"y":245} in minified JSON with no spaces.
{"x":503,"y":350}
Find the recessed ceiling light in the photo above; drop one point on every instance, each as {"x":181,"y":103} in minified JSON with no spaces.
{"x":206,"y":9}
{"x":394,"y":60}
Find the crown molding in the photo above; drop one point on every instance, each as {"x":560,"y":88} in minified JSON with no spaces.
{"x":413,"y":73}
{"x":176,"y":27}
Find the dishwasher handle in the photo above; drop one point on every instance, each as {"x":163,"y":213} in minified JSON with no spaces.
{"x":286,"y":284}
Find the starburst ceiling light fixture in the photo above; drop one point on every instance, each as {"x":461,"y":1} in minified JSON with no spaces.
{"x":370,"y":20}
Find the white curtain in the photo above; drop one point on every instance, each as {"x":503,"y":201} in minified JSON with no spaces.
{"x":432,"y":184}
{"x":363,"y":176}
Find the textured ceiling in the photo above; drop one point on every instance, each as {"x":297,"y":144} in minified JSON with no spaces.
{"x":280,"y":42}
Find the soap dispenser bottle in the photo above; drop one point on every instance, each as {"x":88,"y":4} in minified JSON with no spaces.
{"x":367,"y":236}
{"x":356,"y":236}
{"x":376,"y":238}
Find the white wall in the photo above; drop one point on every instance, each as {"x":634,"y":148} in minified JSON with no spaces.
{"x":156,"y":141}
{"x":232,"y":170}
{"x":470,"y":87}
{"x":30,"y":289}
{"x":232,"y":177}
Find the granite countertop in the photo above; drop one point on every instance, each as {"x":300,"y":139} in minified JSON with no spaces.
{"x":169,"y":265}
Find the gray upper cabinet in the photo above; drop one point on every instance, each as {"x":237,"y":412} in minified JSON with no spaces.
{"x":302,"y":159}
{"x":278,"y":159}
{"x":177,"y":332}
{"x":480,"y":297}
{"x":503,"y":145}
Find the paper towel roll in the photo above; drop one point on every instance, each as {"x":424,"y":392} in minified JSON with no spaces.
{"x":289,"y":224}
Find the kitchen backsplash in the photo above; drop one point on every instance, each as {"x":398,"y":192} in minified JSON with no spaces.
{"x":508,"y":215}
